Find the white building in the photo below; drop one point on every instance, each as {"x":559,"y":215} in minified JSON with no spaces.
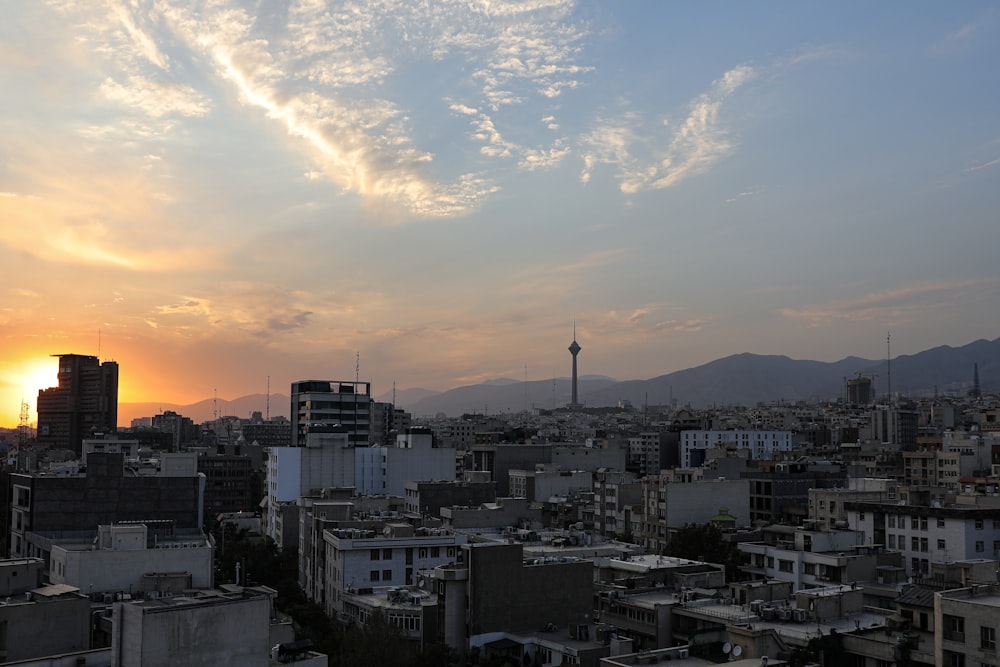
{"x":926,"y":535}
{"x":327,"y":459}
{"x":386,"y":470}
{"x":762,"y":445}
{"x":359,"y":560}
{"x":131,"y":558}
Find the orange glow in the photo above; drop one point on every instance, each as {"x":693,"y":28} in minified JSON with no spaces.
{"x":21,"y":381}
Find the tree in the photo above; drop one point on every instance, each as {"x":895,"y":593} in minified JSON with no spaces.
{"x":705,"y":542}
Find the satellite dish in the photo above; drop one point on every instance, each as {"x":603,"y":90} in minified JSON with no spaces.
{"x":727,"y":647}
{"x":737,"y":650}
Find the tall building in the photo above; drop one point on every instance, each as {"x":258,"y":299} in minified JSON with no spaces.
{"x":331,"y":403}
{"x":84,"y":403}
{"x":574,"y":349}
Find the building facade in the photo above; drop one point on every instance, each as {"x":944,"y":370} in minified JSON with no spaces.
{"x":84,"y":403}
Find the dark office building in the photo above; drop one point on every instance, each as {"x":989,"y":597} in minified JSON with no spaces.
{"x":84,"y":403}
{"x":46,"y":505}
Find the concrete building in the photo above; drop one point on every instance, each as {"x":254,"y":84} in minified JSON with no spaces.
{"x":325,"y":459}
{"x":429,"y":497}
{"x":44,"y":507}
{"x":927,"y":535}
{"x":207,"y":628}
{"x":492,"y":589}
{"x":133,"y":559}
{"x":84,"y":403}
{"x":779,"y":493}
{"x":967,"y":622}
{"x":414,"y":456}
{"x":331,"y":403}
{"x":412,"y":610}
{"x":545,"y":482}
{"x":357,"y":560}
{"x":763,"y":445}
{"x":38,"y":620}
{"x":231,"y":483}
{"x":810,"y":559}
{"x":617,"y":500}
{"x":669,"y":505}
{"x":828,"y":507}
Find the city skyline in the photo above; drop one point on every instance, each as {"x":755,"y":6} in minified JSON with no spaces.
{"x":431,"y":196}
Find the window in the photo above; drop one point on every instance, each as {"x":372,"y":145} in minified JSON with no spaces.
{"x":386,"y":554}
{"x":374,"y":554}
{"x":785,"y":565}
{"x":923,"y":523}
{"x":435,"y":552}
{"x":941,"y":545}
{"x":892,"y":520}
{"x":914,"y":523}
{"x":980,"y":546}
{"x":979,"y":524}
{"x":940,"y":522}
{"x":923,"y":543}
{"x":387,"y":575}
{"x":422,"y":553}
{"x":914,"y":544}
{"x":952,"y":659}
{"x":954,"y":628}
{"x":892,"y":541}
{"x":373,"y":575}
{"x":988,"y":638}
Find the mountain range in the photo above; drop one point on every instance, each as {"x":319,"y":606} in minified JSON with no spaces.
{"x":740,"y":379}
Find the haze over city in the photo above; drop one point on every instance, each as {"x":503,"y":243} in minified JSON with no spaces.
{"x":213,"y":197}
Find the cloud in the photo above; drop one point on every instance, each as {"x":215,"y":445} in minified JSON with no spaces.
{"x":695,"y":145}
{"x":984,"y":165}
{"x":886,"y":304}
{"x":955,"y":42}
{"x":156,"y":98}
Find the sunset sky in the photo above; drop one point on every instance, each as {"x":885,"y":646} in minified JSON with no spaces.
{"x":217,"y":193}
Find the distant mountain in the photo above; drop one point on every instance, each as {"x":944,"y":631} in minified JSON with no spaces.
{"x":406,"y":396}
{"x":205,"y":410}
{"x":740,"y":379}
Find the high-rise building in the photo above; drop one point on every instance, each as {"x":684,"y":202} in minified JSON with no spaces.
{"x":331,"y":403}
{"x":84,"y":403}
{"x":574,"y":349}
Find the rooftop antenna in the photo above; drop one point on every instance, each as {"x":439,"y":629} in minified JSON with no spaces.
{"x":393,"y":394}
{"x":357,"y":367}
{"x":215,"y":403}
{"x":98,"y":343}
{"x":267,"y":400}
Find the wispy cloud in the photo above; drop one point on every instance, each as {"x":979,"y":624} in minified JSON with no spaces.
{"x":984,"y":165}
{"x":156,"y":98}
{"x":697,"y":143}
{"x":886,"y":304}
{"x":955,"y":42}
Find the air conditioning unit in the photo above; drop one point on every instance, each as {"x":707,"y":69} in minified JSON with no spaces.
{"x":682,"y":653}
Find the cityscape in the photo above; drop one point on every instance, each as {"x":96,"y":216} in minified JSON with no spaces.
{"x":499,"y":333}
{"x":865,"y":527}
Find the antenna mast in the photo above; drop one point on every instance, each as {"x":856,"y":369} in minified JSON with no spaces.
{"x":357,"y":367}
{"x":267,"y":400}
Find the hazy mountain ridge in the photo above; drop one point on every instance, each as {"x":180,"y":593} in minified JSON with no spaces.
{"x":739,"y":379}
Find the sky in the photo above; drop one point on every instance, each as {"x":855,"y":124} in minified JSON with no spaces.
{"x":226,"y":197}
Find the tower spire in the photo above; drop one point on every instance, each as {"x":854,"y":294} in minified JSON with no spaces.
{"x":574,"y":349}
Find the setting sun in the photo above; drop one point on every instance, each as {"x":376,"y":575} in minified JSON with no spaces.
{"x":20,"y":382}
